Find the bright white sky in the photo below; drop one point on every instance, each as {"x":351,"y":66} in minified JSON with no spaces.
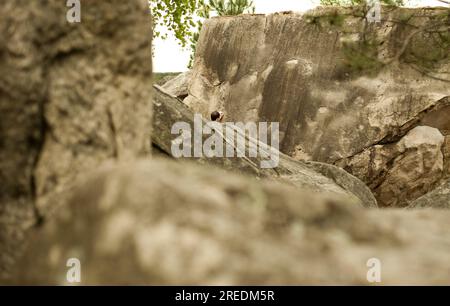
{"x":170,"y":57}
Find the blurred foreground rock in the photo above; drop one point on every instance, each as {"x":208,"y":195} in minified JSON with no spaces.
{"x":165,"y":222}
{"x":71,"y":96}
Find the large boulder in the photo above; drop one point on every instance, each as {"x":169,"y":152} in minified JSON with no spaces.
{"x":336,"y":84}
{"x":71,"y":96}
{"x":174,"y":223}
{"x":317,"y":177}
{"x":402,"y":171}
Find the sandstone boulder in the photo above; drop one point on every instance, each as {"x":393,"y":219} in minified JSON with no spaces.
{"x":165,"y":222}
{"x":337,"y":85}
{"x":71,"y":96}
{"x":318,"y":177}
{"x":179,"y":85}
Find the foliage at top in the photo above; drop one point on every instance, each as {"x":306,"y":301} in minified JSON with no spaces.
{"x":424,"y":46}
{"x":181,"y":16}
{"x":184,"y":18}
{"x":177,"y":16}
{"x":360,"y":2}
{"x":231,"y":7}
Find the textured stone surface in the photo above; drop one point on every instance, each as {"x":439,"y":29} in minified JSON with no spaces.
{"x":71,"y":96}
{"x":313,"y":73}
{"x":438,"y":198}
{"x":318,"y":177}
{"x":165,"y":222}
{"x":401,"y":172}
{"x":179,"y":85}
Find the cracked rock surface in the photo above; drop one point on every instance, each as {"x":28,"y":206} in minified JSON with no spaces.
{"x":317,"y":177}
{"x":166,"y":222}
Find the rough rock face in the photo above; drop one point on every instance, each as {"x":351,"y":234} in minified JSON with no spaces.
{"x":337,"y":86}
{"x":402,"y":171}
{"x":438,"y":198}
{"x":71,"y":96}
{"x":75,"y":96}
{"x":317,"y":177}
{"x":197,"y":225}
{"x":179,"y":85}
